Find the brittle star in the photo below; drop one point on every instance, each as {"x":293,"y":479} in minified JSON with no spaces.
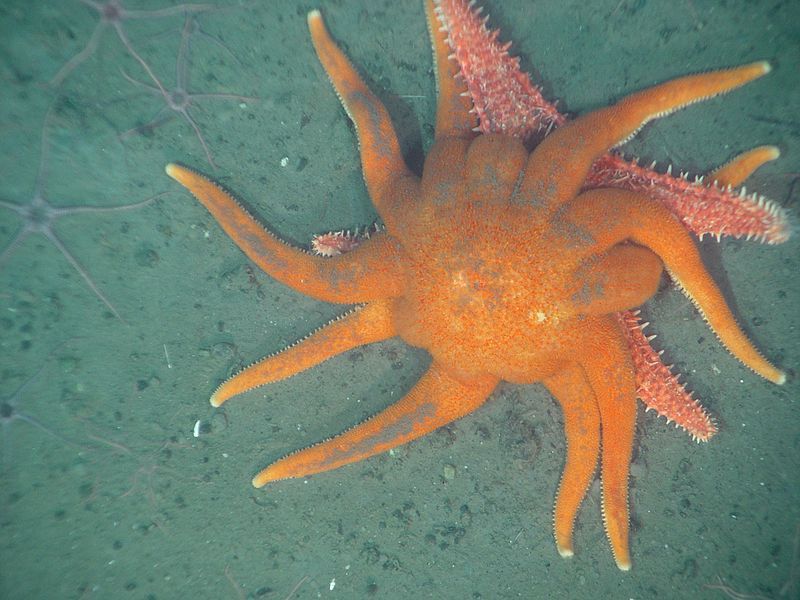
{"x":113,"y":13}
{"x":179,"y":99}
{"x":38,"y":216}
{"x":196,"y":29}
{"x":9,"y":413}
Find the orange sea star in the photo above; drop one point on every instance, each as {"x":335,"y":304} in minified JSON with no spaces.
{"x":448,"y":274}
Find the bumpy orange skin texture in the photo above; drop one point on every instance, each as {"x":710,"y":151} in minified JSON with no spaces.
{"x":496,"y":264}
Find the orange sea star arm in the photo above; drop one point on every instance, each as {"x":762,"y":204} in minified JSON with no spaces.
{"x":624,"y":277}
{"x":605,"y":359}
{"x":734,"y":172}
{"x":558,"y":167}
{"x":454,"y":115}
{"x":611,"y":216}
{"x":582,"y":430}
{"x":436,"y":400}
{"x":388,"y":179}
{"x":363,"y":325}
{"x":368,"y":273}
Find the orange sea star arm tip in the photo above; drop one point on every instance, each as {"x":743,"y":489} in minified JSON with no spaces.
{"x":747,"y":73}
{"x":263,"y":478}
{"x":180,"y":173}
{"x":763,"y":367}
{"x":772,"y":152}
{"x":191,"y":180}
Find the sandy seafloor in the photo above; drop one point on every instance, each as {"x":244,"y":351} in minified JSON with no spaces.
{"x":123,"y":502}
